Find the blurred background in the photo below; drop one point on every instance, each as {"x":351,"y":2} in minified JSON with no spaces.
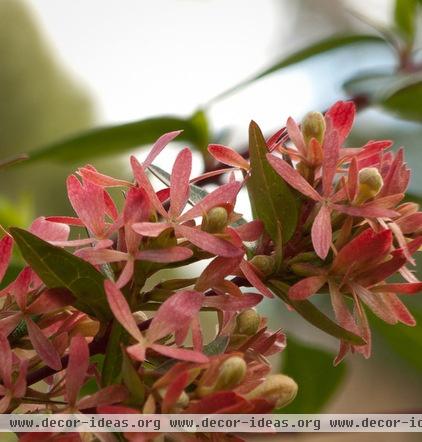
{"x":96,"y":81}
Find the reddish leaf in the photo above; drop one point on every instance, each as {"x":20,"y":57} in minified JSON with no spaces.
{"x":307,"y":287}
{"x":179,"y":182}
{"x":77,"y":367}
{"x":228,"y":156}
{"x":321,"y":232}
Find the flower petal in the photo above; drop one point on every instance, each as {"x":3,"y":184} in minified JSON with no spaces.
{"x":121,"y":310}
{"x":321,"y":232}
{"x":296,"y":136}
{"x":216,"y":271}
{"x":43,"y":346}
{"x":228,"y":156}
{"x":50,"y":231}
{"x":6,"y":246}
{"x":6,"y":361}
{"x":180,"y":353}
{"x":208,"y":242}
{"x":228,"y":303}
{"x":170,"y":254}
{"x":77,"y":367}
{"x":250,"y":274}
{"x":179,"y":182}
{"x":174,"y":313}
{"x":306,"y":287}
{"x":407,"y":288}
{"x":330,"y":158}
{"x":159,"y":145}
{"x":109,"y":395}
{"x":293,"y":177}
{"x":150,"y":229}
{"x":342,"y":115}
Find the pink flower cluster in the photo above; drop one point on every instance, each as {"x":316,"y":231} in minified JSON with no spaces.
{"x":353,"y":233}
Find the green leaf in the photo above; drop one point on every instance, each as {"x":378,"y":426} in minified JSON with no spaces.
{"x":405,"y":101}
{"x":326,"y":45}
{"x":312,"y":368}
{"x":272,"y":200}
{"x":112,"y":140}
{"x":113,"y":360}
{"x":217,"y":347}
{"x":58,"y":268}
{"x":405,"y":18}
{"x":11,"y":161}
{"x":404,"y":340}
{"x":314,"y":316}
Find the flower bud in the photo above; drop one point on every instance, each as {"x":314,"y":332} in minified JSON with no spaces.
{"x":230,"y":374}
{"x":264,"y":263}
{"x":277,"y":388}
{"x":247,"y":322}
{"x":370,"y":184}
{"x":215,"y":221}
{"x":313,"y":126}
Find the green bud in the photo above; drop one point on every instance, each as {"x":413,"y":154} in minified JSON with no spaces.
{"x":215,"y":220}
{"x":313,"y":126}
{"x":279,"y":388}
{"x":264,"y":263}
{"x":247,"y":322}
{"x":230,"y":374}
{"x":370,"y":184}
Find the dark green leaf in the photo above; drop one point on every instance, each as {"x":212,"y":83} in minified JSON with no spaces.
{"x":58,"y":268}
{"x":312,"y":368}
{"x":112,"y":140}
{"x":314,"y":316}
{"x":405,"y":18}
{"x":405,"y":102}
{"x":131,"y":379}
{"x":404,"y":340}
{"x":113,"y":360}
{"x":329,"y":44}
{"x":216,"y":347}
{"x":272,"y":200}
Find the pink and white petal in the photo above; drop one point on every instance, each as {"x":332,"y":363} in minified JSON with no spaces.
{"x":74,"y":242}
{"x":144,"y":183}
{"x":126,"y":274}
{"x":321,"y":232}
{"x":121,"y":310}
{"x":174,"y":313}
{"x":100,"y":179}
{"x":228,"y":156}
{"x":179,"y":182}
{"x":307,"y":287}
{"x":150,"y":229}
{"x":296,"y":136}
{"x":250,"y":274}
{"x":293,"y":177}
{"x":77,"y":367}
{"x":228,"y":303}
{"x":50,"y":231}
{"x":330,"y":159}
{"x":167,"y":255}
{"x":137,"y":206}
{"x":208,"y":242}
{"x":222,"y":196}
{"x":6,"y":246}
{"x":159,"y":145}
{"x":181,"y":354}
{"x":101,"y":256}
{"x":88,"y":202}
{"x":342,"y":115}
{"x":43,"y":346}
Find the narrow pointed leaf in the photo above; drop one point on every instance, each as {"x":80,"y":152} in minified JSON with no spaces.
{"x":58,"y":268}
{"x":271,"y":198}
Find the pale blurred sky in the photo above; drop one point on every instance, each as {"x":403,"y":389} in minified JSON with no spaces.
{"x":142,"y":58}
